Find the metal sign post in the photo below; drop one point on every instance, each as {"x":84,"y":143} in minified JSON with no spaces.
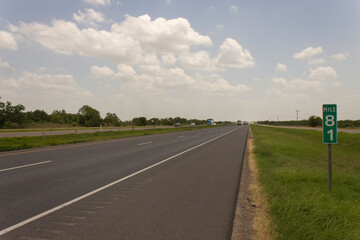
{"x":330,"y":166}
{"x":329,"y":132}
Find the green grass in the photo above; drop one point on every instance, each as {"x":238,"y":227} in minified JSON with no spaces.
{"x":293,"y":169}
{"x":17,"y":143}
{"x":58,"y":127}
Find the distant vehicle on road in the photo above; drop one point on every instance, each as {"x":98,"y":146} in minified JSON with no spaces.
{"x":177,"y":124}
{"x":210,"y":122}
{"x":245,"y":123}
{"x":192,"y":124}
{"x":239,"y":122}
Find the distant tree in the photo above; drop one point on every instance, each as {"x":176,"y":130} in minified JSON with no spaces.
{"x":126,"y":123}
{"x":167,"y":121}
{"x":348,"y":123}
{"x":56,"y":117}
{"x":2,"y":114}
{"x":89,"y":117}
{"x":38,"y":116}
{"x":140,"y":121}
{"x":180,"y":120}
{"x":112,"y":119}
{"x":154,"y":121}
{"x":60,"y":117}
{"x":12,"y":116}
{"x":197,"y":121}
{"x":314,"y":121}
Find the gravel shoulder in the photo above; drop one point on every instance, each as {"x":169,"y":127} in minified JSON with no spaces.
{"x":251,"y":219}
{"x":244,"y":212}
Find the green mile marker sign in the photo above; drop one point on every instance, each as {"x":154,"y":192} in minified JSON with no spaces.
{"x":329,"y":123}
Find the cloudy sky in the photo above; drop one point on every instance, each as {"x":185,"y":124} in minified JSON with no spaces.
{"x":228,"y":60}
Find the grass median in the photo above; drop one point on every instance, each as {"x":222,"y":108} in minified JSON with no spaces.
{"x":18,"y":143}
{"x":58,"y":128}
{"x":293,"y":172}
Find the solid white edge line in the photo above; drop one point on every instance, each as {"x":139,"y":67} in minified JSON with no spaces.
{"x":13,"y":227}
{"x":139,"y":144}
{"x":23,"y":166}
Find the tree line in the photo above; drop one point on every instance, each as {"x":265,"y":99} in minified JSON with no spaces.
{"x":16,"y":117}
{"x":313,"y":121}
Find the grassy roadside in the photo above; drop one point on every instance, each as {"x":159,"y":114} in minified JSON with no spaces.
{"x":17,"y":143}
{"x":51,"y":129}
{"x":293,"y":171}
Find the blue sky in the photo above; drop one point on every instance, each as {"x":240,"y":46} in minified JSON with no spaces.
{"x":228,"y":60}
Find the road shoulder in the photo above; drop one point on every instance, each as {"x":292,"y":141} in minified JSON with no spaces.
{"x":251,"y":219}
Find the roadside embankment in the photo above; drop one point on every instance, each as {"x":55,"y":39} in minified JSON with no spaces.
{"x":292,"y":170}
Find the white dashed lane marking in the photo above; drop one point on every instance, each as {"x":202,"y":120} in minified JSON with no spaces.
{"x":23,"y":166}
{"x":139,"y":144}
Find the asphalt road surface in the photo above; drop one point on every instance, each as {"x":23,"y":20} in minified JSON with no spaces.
{"x":169,"y":186}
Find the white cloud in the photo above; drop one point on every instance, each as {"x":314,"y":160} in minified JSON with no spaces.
{"x":337,"y":84}
{"x":41,"y":70}
{"x":66,"y":38}
{"x":234,"y":9}
{"x":12,"y":83}
{"x":173,"y":78}
{"x":281,"y":67}
{"x":168,"y":59}
{"x":280,"y":81}
{"x":322,"y":73}
{"x":46,"y":91}
{"x":232,"y":54}
{"x":89,"y":17}
{"x":6,"y":65}
{"x":200,"y":61}
{"x":276,"y":92}
{"x":136,"y":40}
{"x":125,"y":71}
{"x":100,"y":72}
{"x":341,"y":56}
{"x":316,"y":61}
{"x":152,"y":69}
{"x":161,"y":35}
{"x":7,"y":41}
{"x":98,"y":2}
{"x":143,"y":50}
{"x":300,"y":84}
{"x":220,"y":86}
{"x":157,"y":79}
{"x":62,"y":84}
{"x":220,"y":26}
{"x":308,"y":52}
{"x":151,"y":59}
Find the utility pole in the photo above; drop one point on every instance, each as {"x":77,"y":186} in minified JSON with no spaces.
{"x":297,"y":115}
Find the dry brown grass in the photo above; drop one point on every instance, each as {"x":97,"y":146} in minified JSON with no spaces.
{"x":262,"y":219}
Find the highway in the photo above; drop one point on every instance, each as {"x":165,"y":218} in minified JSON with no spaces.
{"x":169,"y":186}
